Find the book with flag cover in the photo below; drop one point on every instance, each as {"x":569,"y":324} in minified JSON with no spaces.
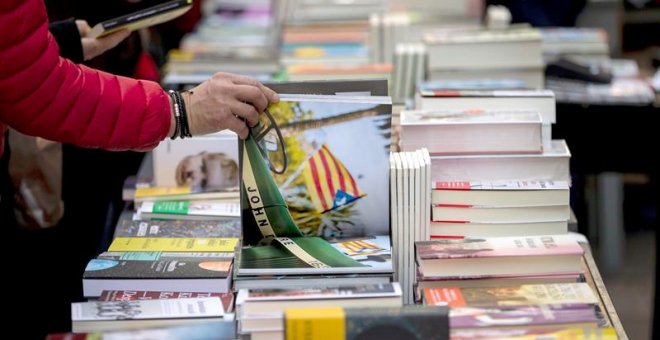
{"x":304,"y":184}
{"x":337,"y":179}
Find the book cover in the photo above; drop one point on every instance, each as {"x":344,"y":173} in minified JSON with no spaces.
{"x":498,"y":247}
{"x":173,"y":244}
{"x":108,"y":315}
{"x":164,"y":255}
{"x":405,"y":322}
{"x":303,"y":183}
{"x":206,"y":163}
{"x":212,"y":275}
{"x":131,"y":295}
{"x":537,"y":333}
{"x":522,"y":295}
{"x":330,"y":189}
{"x":528,"y":316}
{"x":143,"y":18}
{"x":226,"y":227}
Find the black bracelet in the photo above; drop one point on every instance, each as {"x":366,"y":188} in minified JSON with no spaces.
{"x":185,"y":128}
{"x":176,"y":110}
{"x":182,"y":128}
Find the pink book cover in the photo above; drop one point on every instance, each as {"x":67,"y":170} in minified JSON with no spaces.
{"x":498,"y":247}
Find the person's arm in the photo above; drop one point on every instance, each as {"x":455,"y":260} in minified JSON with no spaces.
{"x":45,"y":95}
{"x":67,"y":35}
{"x":49,"y":96}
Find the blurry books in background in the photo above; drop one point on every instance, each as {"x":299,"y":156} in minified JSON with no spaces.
{"x":126,"y":315}
{"x":409,"y":69}
{"x":532,"y":333}
{"x":552,"y":165}
{"x":513,"y":52}
{"x":472,"y":131}
{"x":580,"y":43}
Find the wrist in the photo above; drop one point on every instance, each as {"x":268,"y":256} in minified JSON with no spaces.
{"x":186,"y":99}
{"x":173,"y":121}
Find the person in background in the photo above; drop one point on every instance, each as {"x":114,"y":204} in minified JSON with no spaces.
{"x":542,"y":13}
{"x":45,"y":95}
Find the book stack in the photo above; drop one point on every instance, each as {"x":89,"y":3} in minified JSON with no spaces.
{"x":409,"y":70}
{"x":500,"y":208}
{"x":498,"y":261}
{"x":513,"y":52}
{"x":410,"y":212}
{"x":578,"y":43}
{"x":260,"y":312}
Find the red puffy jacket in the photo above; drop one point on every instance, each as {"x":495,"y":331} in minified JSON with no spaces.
{"x":45,"y":95}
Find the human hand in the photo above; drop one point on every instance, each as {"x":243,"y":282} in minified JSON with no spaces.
{"x":93,"y":47}
{"x":226,"y":101}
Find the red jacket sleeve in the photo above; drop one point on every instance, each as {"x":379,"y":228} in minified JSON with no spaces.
{"x":45,"y":95}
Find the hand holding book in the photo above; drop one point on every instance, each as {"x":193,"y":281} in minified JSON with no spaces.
{"x":93,"y":47}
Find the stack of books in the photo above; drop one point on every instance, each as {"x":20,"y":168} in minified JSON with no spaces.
{"x":513,"y":52}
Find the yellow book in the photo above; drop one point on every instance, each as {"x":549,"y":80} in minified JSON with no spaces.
{"x":210,"y":244}
{"x":315,"y":323}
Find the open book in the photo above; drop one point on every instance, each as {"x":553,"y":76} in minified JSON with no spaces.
{"x":143,"y":18}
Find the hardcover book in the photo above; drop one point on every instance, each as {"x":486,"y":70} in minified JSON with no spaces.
{"x":207,"y":275}
{"x":143,"y":18}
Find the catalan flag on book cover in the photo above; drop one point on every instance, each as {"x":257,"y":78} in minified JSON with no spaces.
{"x":329,"y":183}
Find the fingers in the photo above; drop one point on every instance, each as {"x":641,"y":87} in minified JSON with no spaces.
{"x":243,"y":80}
{"x":238,"y":126}
{"x":252,"y":95}
{"x":245,"y":111}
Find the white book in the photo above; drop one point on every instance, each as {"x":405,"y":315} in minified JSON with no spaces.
{"x":99,"y":316}
{"x":408,"y":222}
{"x":456,"y":229}
{"x":501,"y":193}
{"x":486,"y":214}
{"x":532,"y":78}
{"x":469,"y":49}
{"x":542,"y":101}
{"x":552,"y":165}
{"x":471,"y":131}
{"x":400,"y":213}
{"x":393,"y":217}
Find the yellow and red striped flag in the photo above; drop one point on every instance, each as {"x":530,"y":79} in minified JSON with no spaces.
{"x":329,"y":183}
